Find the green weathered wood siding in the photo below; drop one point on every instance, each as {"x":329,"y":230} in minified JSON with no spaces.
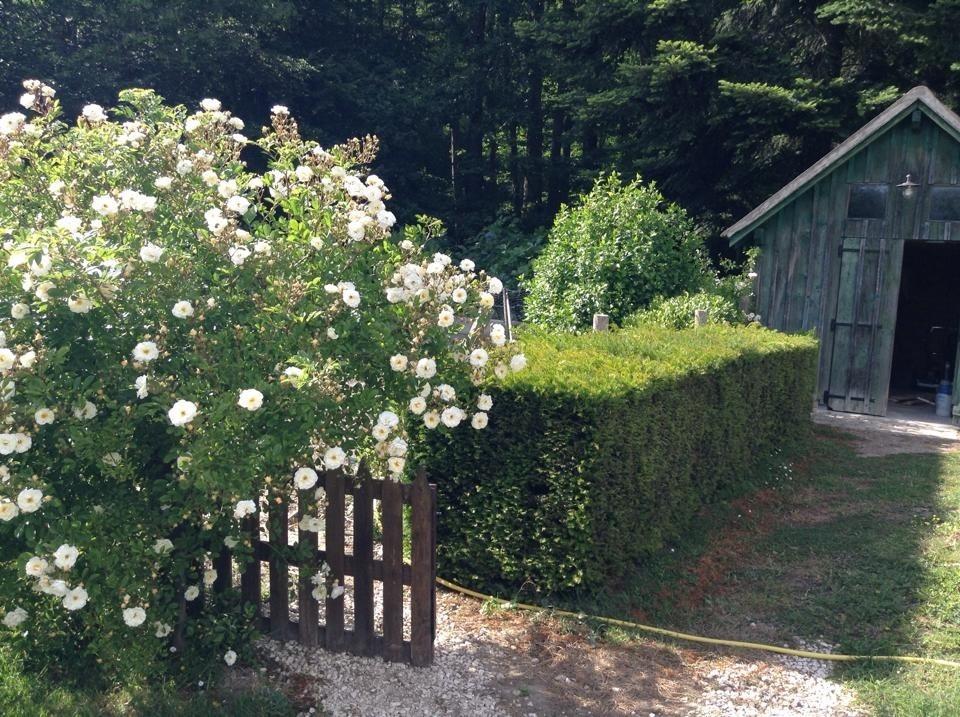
{"x":800,"y":267}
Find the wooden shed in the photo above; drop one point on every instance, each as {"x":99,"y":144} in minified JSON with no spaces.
{"x":864,"y":249}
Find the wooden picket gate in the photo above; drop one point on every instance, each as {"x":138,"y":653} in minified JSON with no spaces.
{"x":391,"y":571}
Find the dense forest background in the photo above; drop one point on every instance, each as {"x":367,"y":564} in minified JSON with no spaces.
{"x":492,"y":113}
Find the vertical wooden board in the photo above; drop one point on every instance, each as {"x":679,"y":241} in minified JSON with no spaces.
{"x":223,"y":564}
{"x":363,"y":564}
{"x":781,"y":242}
{"x":391,"y":517}
{"x":335,"y":515}
{"x":421,"y":588}
{"x":862,"y":347}
{"x":279,"y":574}
{"x":250,"y":577}
{"x":845,"y":318}
{"x":812,"y":310}
{"x":803,"y":222}
{"x":308,"y":628}
{"x":890,"y":296}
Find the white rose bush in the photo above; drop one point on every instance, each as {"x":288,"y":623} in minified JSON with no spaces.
{"x":185,"y":340}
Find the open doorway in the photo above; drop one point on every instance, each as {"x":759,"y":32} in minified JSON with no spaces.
{"x":928,"y":319}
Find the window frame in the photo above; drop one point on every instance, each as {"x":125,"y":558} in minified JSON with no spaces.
{"x":853,"y":186}
{"x":932,"y":194}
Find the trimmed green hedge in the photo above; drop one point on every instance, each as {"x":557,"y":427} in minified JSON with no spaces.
{"x":608,"y":444}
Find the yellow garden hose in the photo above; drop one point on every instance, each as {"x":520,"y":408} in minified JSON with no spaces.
{"x":698,"y":638}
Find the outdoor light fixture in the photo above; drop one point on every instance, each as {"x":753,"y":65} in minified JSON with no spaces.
{"x":908,"y":186}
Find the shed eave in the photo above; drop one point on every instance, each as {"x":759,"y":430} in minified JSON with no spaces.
{"x":919,"y":97}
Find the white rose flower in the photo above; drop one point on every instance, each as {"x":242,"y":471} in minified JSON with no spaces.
{"x":105,"y":205}
{"x":479,"y":357}
{"x":27,"y":100}
{"x":355,"y":230}
{"x":75,"y":599}
{"x":395,"y":464}
{"x":15,"y":618}
{"x":431,"y":419}
{"x":279,"y":110}
{"x":446,"y":391}
{"x":68,"y":223}
{"x":93,"y":114}
{"x":386,"y":219}
{"x":484,"y":402}
{"x":518,"y":362}
{"x":238,"y":204}
{"x":501,"y":371}
{"x":398,"y":362}
{"x":8,"y":443}
{"x":337,"y":591}
{"x":145,"y":351}
{"x":494,"y":286}
{"x":66,"y":556}
{"x":417,"y":405}
{"x":426,"y":368}
{"x":250,"y":399}
{"x":333,"y":458}
{"x":209,"y":104}
{"x":380,"y":432}
{"x":182,"y":310}
{"x":141,"y":385}
{"x":57,"y":588}
{"x":303,"y":173}
{"x":263,"y":247}
{"x":36,"y":566}
{"x":182,"y":412}
{"x":19,"y":310}
{"x":43,"y":290}
{"x":479,"y":420}
{"x":112,"y":459}
{"x":332,"y":333}
{"x":162,"y":183}
{"x":150,"y":253}
{"x":238,"y":254}
{"x":209,"y":576}
{"x":191,"y":593}
{"x":459,"y":295}
{"x":44,"y":416}
{"x":163,"y":546}
{"x":29,"y":500}
{"x":397,"y":447}
{"x":8,"y":510}
{"x":231,"y":542}
{"x":244,"y":508}
{"x":230,"y":657}
{"x":498,"y":335}
{"x":388,"y":419}
{"x":184,"y":166}
{"x":396,"y":294}
{"x":486,"y":300}
{"x":28,"y":359}
{"x":163,"y":629}
{"x":445,"y":318}
{"x":22,"y":443}
{"x":210,"y":178}
{"x":451,"y":416}
{"x":79,"y":304}
{"x":351,"y":297}
{"x":134,"y":616}
{"x":7,"y":359}
{"x":305,"y":478}
{"x":86,"y":411}
{"x":467,"y":265}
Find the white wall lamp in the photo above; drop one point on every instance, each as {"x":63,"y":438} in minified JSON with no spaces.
{"x":908,"y":187}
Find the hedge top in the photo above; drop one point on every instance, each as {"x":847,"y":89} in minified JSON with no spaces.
{"x":638,"y":359}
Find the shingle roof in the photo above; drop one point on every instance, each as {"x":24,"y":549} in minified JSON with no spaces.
{"x":919,"y":97}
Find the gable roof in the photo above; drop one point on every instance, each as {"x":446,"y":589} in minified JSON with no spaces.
{"x":918,"y":98}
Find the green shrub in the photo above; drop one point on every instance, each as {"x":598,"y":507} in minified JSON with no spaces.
{"x":677,"y":312}
{"x":620,"y":247}
{"x":607,"y":446}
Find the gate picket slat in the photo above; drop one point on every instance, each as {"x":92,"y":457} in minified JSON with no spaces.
{"x":363,"y":564}
{"x":223,"y":564}
{"x":334,"y":533}
{"x":279,"y":575}
{"x":308,"y":627}
{"x":421,"y":591}
{"x":250,"y":578}
{"x":391,"y":507}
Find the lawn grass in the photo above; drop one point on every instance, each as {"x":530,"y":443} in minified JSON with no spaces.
{"x":863,"y":553}
{"x":30,"y":695}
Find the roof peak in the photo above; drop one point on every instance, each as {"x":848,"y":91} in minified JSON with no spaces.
{"x":921,"y":94}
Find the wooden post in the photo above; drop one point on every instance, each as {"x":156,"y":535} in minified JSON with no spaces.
{"x":363,"y":564}
{"x":334,"y":549}
{"x":250,"y":578}
{"x":422,"y":584}
{"x":279,"y":575}
{"x":700,"y":317}
{"x":391,"y":516}
{"x":308,"y":628}
{"x":224,"y":567}
{"x":601,"y":322}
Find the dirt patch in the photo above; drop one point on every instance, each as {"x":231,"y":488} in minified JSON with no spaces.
{"x":874,"y":436}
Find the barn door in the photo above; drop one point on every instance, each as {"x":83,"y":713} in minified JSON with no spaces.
{"x":862,"y":328}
